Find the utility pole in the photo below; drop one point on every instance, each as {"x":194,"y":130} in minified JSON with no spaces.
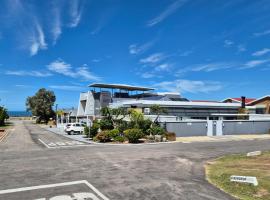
{"x":56,"y":105}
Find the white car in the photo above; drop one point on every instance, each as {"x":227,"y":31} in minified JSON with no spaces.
{"x":72,"y":128}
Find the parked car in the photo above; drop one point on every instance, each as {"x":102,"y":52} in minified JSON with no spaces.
{"x":72,"y":128}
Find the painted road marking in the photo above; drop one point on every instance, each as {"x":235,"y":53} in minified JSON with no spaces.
{"x":62,"y":144}
{"x":43,"y":192}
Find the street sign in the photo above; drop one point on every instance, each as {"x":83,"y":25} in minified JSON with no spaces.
{"x":254,"y":153}
{"x":244,"y":179}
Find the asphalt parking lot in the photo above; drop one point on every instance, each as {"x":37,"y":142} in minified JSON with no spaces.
{"x":31,"y":170}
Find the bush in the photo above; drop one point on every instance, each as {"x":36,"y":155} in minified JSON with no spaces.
{"x":122,"y":126}
{"x":86,"y":130}
{"x":145,"y":124}
{"x":133,"y":135}
{"x":94,"y":129}
{"x":119,"y":139}
{"x":102,"y":137}
{"x":106,"y":124}
{"x":113,"y":133}
{"x":156,"y":130}
{"x":170,"y":136}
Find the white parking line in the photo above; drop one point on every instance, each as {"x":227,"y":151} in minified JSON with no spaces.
{"x":8,"y":191}
{"x":53,"y":145}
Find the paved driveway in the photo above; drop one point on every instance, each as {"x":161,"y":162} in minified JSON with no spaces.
{"x":31,"y":170}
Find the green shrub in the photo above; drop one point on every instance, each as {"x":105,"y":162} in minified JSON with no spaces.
{"x":86,"y":130}
{"x":102,"y":137}
{"x":122,"y":126}
{"x":106,"y":124}
{"x":94,"y":129}
{"x":113,"y":133}
{"x":156,"y":130}
{"x":133,"y":135}
{"x":119,"y":139}
{"x":145,"y":124}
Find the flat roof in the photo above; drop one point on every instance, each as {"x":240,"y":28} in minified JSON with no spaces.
{"x":120,"y":86}
{"x":184,"y":104}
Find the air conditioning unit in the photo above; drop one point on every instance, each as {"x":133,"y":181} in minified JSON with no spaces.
{"x":146,"y":111}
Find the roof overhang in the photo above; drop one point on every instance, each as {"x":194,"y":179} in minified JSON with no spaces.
{"x":120,"y":86}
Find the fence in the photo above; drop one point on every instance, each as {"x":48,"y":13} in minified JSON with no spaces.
{"x":218,"y":128}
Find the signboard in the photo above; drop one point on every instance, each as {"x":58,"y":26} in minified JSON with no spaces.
{"x":76,"y":190}
{"x":244,"y":179}
{"x":254,"y":153}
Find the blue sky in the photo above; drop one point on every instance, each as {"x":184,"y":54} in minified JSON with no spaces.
{"x":204,"y":49}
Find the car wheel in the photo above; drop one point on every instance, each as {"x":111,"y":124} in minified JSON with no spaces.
{"x":72,"y":132}
{"x":68,"y":133}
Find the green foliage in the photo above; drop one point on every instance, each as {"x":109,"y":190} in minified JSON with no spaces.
{"x":94,"y":129}
{"x":133,"y":135}
{"x":157,"y":110}
{"x":102,"y":137}
{"x":3,"y":115}
{"x":86,"y":130}
{"x":119,"y":139}
{"x":122,"y":126}
{"x":156,"y":130}
{"x":41,"y":105}
{"x":114,"y":115}
{"x":145,"y":125}
{"x":135,"y":118}
{"x":106,"y":124}
{"x":113,"y":133}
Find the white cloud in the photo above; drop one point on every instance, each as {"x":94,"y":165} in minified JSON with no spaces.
{"x":189,"y":86}
{"x":228,"y":43}
{"x":37,"y":40}
{"x":148,"y":75}
{"x":208,"y":67}
{"x":253,"y":63}
{"x":258,"y":34}
{"x":67,"y":87}
{"x":163,"y":67}
{"x":261,"y":52}
{"x":61,"y":67}
{"x":154,"y":58}
{"x":137,"y":49}
{"x":56,"y":24}
{"x":76,"y":9}
{"x":241,"y":48}
{"x":185,"y":53}
{"x":172,"y":8}
{"x":28,"y":73}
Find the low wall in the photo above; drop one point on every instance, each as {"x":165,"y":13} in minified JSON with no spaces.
{"x":245,"y":127}
{"x":218,"y":128}
{"x":191,"y":128}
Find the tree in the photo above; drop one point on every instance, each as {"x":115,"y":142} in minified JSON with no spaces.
{"x":41,"y":105}
{"x":114,"y":115}
{"x":3,"y":115}
{"x":157,"y":110}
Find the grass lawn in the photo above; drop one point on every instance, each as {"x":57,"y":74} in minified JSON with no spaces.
{"x":219,"y":171}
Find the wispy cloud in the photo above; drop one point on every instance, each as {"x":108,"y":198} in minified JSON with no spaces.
{"x":148,"y":75}
{"x":37,"y":40}
{"x":172,"y":8}
{"x":28,"y":73}
{"x":137,"y":49}
{"x":261,"y":52}
{"x":154,"y":58}
{"x":61,"y":67}
{"x":241,"y":48}
{"x":163,"y":67}
{"x":56,"y":23}
{"x":254,"y":63}
{"x":228,"y":43}
{"x":189,"y":86}
{"x":185,"y":53}
{"x":67,"y":87}
{"x":258,"y":34}
{"x":76,"y":10}
{"x":207,"y":67}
